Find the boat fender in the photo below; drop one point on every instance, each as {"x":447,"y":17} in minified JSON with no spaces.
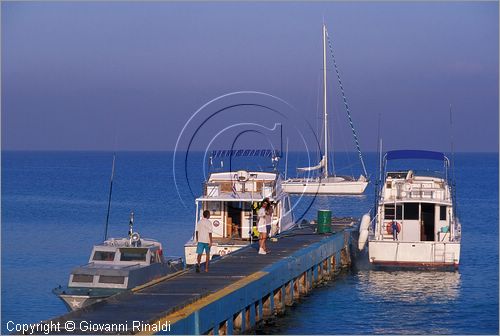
{"x":363,"y":231}
{"x":365,"y":222}
{"x":389,"y":227}
{"x":363,"y":237}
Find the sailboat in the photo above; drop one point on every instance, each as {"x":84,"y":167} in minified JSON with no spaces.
{"x":326,"y":184}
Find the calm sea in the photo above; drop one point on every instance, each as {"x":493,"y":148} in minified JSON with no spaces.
{"x":54,"y":209}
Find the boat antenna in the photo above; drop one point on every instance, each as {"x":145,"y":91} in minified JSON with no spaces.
{"x":109,"y":197}
{"x":452,"y":145}
{"x":379,"y":150}
{"x":452,"y":163}
{"x":379,"y":154}
{"x":131,"y":225}
{"x":286,"y":158}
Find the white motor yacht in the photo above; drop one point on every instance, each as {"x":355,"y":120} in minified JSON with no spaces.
{"x":233,"y":199}
{"x":415,"y":223}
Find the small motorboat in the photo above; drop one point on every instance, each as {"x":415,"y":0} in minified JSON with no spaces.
{"x":116,"y":265}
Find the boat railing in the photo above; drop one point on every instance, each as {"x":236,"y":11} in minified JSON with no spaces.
{"x":259,"y":189}
{"x":440,"y":254}
{"x":417,"y":191}
{"x":133,"y":265}
{"x":372,"y":226}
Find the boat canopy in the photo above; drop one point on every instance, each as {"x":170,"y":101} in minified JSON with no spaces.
{"x":246,"y":152}
{"x":414,"y":154}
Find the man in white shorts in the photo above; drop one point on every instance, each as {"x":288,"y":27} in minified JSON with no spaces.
{"x":204,"y":239}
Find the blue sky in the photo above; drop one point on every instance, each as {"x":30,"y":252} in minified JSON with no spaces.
{"x":129,"y":75}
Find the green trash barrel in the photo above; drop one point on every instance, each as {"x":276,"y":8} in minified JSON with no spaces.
{"x":324,"y":221}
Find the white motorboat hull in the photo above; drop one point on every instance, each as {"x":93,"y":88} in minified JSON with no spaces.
{"x":216,"y":250}
{"x":320,"y":187}
{"x":423,"y":254}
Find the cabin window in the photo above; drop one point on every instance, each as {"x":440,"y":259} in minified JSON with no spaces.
{"x":83,"y":278}
{"x":411,"y":211}
{"x":103,"y":256}
{"x":389,"y":185}
{"x":389,"y":211}
{"x":213,"y":207}
{"x":245,"y":206}
{"x":113,"y":279}
{"x":133,"y":254}
{"x":442,"y":212}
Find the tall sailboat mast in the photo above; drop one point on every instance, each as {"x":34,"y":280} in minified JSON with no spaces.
{"x":324,"y":183}
{"x":325,"y":155}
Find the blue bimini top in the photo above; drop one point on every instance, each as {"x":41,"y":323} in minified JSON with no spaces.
{"x":414,"y":154}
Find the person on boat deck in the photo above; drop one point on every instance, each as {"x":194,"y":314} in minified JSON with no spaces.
{"x":204,"y":239}
{"x":262,"y":225}
{"x":395,"y":230}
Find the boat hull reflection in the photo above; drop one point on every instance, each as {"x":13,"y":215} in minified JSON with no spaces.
{"x":411,"y":286}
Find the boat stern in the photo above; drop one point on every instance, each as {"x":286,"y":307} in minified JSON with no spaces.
{"x":414,"y":254}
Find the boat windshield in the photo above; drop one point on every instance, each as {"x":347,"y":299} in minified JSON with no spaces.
{"x":133,"y":254}
{"x":430,"y":173}
{"x":401,"y":174}
{"x":103,"y":256}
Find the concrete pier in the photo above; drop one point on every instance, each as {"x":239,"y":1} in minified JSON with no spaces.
{"x":241,"y":290}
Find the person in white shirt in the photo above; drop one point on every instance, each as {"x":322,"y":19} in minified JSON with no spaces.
{"x":264,"y":217}
{"x":204,"y":239}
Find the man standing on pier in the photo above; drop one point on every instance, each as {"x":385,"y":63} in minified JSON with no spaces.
{"x":204,"y":239}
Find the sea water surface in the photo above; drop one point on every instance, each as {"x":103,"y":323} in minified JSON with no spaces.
{"x":54,"y":209}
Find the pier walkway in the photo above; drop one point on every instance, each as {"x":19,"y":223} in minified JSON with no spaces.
{"x":240,"y":290}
